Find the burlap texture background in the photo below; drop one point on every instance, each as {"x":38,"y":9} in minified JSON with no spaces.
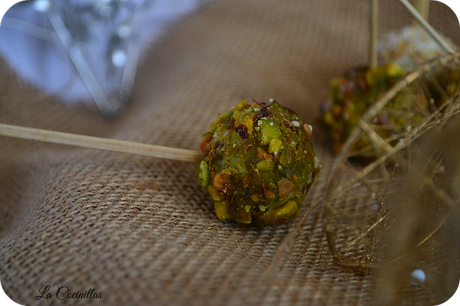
{"x":140,"y":230}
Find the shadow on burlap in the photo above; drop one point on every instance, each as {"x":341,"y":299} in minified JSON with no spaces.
{"x":140,"y":230}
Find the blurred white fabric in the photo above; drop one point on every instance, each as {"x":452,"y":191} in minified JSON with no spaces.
{"x":105,"y":32}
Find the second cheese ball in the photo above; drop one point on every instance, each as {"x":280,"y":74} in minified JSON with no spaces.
{"x":259,"y":163}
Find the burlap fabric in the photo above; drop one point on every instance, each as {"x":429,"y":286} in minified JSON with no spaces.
{"x":140,"y":231}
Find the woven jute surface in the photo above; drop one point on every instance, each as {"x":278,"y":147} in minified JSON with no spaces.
{"x":140,"y":231}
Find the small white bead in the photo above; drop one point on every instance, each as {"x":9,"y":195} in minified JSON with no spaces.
{"x":119,"y":58}
{"x":124,"y":31}
{"x":42,"y":6}
{"x":418,"y":277}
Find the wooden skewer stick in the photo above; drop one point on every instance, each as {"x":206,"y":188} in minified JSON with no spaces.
{"x":427,"y":26}
{"x":100,"y":143}
{"x":373,"y":23}
{"x":423,"y":7}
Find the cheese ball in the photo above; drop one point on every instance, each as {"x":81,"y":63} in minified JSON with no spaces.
{"x":352,"y":94}
{"x":410,"y":47}
{"x":259,"y":163}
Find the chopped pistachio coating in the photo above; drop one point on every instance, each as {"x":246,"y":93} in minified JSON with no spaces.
{"x":259,"y":164}
{"x":354,"y":93}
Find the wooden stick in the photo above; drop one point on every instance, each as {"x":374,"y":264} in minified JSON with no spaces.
{"x":423,"y":7}
{"x":427,"y":26}
{"x":100,"y":143}
{"x":373,"y":23}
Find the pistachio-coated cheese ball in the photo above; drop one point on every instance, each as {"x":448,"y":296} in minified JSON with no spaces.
{"x":352,"y":94}
{"x":259,"y":163}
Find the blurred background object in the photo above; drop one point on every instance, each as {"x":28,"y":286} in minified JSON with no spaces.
{"x":421,"y":246}
{"x":85,"y":51}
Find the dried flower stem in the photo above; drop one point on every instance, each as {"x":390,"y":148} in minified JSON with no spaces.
{"x":373,"y":23}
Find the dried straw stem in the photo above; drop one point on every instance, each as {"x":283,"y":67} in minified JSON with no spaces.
{"x":373,"y":23}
